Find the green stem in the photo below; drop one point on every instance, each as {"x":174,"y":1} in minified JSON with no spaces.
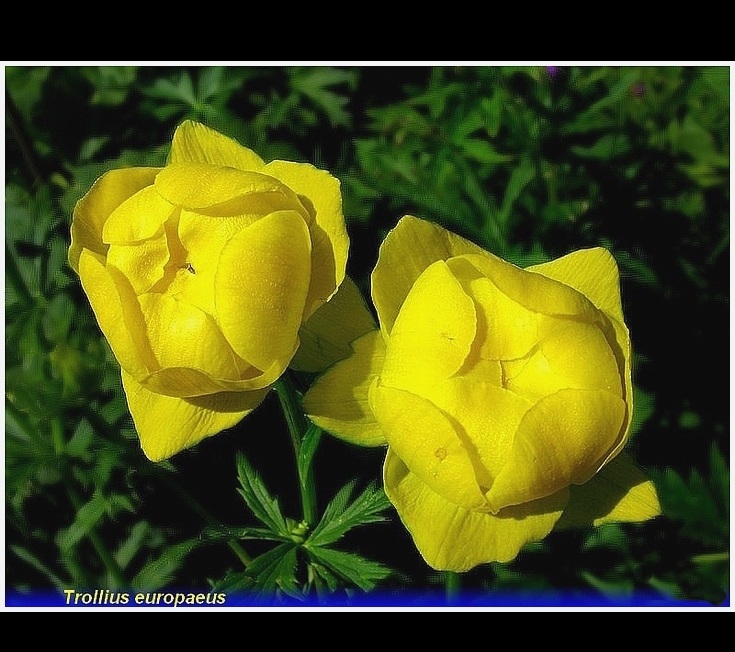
{"x":17,"y":128}
{"x":452,"y":582}
{"x":297,"y":425}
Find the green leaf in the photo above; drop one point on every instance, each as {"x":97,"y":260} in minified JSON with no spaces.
{"x":219,"y":533}
{"x":273,"y":571}
{"x":644,"y":405}
{"x":309,"y":444}
{"x":483,"y":151}
{"x":161,"y":571}
{"x":718,"y":77}
{"x":341,"y":516}
{"x":619,"y":588}
{"x":259,"y":500}
{"x":87,"y":517}
{"x":179,"y":91}
{"x":313,"y":83}
{"x":701,"y":506}
{"x":357,"y":570}
{"x":521,"y":176}
{"x":610,"y":146}
{"x":132,"y":544}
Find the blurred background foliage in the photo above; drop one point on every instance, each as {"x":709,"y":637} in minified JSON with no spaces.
{"x":530,"y":162}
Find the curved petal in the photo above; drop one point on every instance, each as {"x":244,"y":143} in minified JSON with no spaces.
{"x":619,"y":340}
{"x":450,"y":537}
{"x":183,"y":382}
{"x":562,"y":440}
{"x":319,"y":191}
{"x":424,"y":438}
{"x":433,"y":334}
{"x":574,"y":355}
{"x":223,"y":191}
{"x":506,"y":329}
{"x":326,"y":337}
{"x":260,"y":288}
{"x":196,"y":248}
{"x":338,"y":400}
{"x":194,"y":142}
{"x":618,"y":492}
{"x":118,"y":314}
{"x":142,"y":263}
{"x":489,"y":415}
{"x":533,"y":290}
{"x":139,"y":217}
{"x":405,"y":253}
{"x":593,"y":272}
{"x":92,"y":210}
{"x":182,"y":335}
{"x":168,"y":425}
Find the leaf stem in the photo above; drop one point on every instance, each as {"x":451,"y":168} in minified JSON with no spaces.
{"x":297,"y":426}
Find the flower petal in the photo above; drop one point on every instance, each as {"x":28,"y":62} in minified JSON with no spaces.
{"x":450,"y":537}
{"x":260,"y":288}
{"x":618,"y":492}
{"x":564,"y":439}
{"x":168,"y":425}
{"x":405,"y":253}
{"x":139,"y":217}
{"x":429,"y":343}
{"x":326,"y":337}
{"x":142,"y":263}
{"x":425,"y":439}
{"x":338,"y":400}
{"x":593,"y":272}
{"x":194,"y":142}
{"x":224,"y":191}
{"x":118,"y":314}
{"x":506,"y":329}
{"x":182,"y":335}
{"x":92,"y":210}
{"x":488,"y":414}
{"x":574,"y":355}
{"x":319,"y":191}
{"x":183,"y":382}
{"x":533,"y":290}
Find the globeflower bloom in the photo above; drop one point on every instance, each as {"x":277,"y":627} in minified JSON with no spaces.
{"x":201,"y":275}
{"x":504,"y":396}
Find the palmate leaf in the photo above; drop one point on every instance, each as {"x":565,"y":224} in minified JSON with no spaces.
{"x":274,"y":571}
{"x":220,"y":533}
{"x":341,"y":515}
{"x":351,"y":567}
{"x":701,"y":505}
{"x":258,"y":498}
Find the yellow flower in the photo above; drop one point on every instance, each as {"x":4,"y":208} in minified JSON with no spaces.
{"x":201,"y":275}
{"x":504,"y":396}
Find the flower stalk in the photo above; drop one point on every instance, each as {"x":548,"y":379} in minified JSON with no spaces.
{"x":297,"y":426}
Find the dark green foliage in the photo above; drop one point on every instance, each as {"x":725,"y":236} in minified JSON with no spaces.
{"x":527,"y":161}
